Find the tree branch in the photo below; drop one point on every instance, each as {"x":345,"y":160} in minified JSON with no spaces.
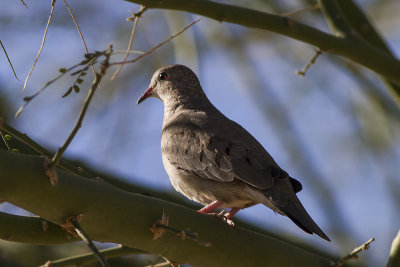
{"x":355,"y":49}
{"x":106,"y":208}
{"x":33,"y":230}
{"x":394,"y":257}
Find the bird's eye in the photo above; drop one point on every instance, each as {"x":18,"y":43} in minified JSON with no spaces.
{"x":163,"y":76}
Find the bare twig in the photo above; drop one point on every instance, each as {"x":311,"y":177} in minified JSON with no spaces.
{"x":302,"y":72}
{"x":300,"y":10}
{"x":157,"y":46}
{"x":83,"y":259}
{"x":82,"y":234}
{"x":135,"y":17}
{"x":97,"y":78}
{"x":9,"y":61}
{"x":22,"y":1}
{"x":41,"y":46}
{"x":79,"y":30}
{"x":354,"y":253}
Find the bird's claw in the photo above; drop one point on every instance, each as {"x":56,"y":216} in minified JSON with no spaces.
{"x":223,"y":216}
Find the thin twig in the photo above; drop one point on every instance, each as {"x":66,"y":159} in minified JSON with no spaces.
{"x":89,"y":243}
{"x":5,"y":141}
{"x":157,"y":46}
{"x":353,"y":254}
{"x":9,"y":61}
{"x":83,"y":259}
{"x":97,"y":78}
{"x":136,"y":18}
{"x":300,"y":10}
{"x":22,"y":1}
{"x":130,"y":52}
{"x":41,"y":46}
{"x":79,"y":30}
{"x":302,"y":72}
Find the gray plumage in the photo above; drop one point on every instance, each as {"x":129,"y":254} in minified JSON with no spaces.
{"x":212,"y":159}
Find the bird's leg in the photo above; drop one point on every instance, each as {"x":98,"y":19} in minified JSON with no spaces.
{"x":232,"y":212}
{"x":210,"y":207}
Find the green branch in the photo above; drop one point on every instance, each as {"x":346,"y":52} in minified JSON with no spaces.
{"x":33,"y":230}
{"x":394,"y":257}
{"x":117,"y":216}
{"x":355,"y":49}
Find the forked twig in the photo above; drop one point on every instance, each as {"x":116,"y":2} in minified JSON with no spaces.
{"x":136,"y":18}
{"x":157,"y":46}
{"x":41,"y":46}
{"x":97,"y":78}
{"x":79,"y":30}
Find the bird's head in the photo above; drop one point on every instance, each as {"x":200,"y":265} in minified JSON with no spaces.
{"x":173,"y":83}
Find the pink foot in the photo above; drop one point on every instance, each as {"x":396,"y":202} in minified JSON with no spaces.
{"x":232,"y":212}
{"x":210,"y":207}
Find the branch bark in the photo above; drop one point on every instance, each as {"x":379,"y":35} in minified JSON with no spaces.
{"x":349,"y":46}
{"x":117,"y":216}
{"x":394,"y":257}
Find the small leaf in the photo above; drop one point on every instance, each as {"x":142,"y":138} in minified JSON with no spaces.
{"x":68,"y":92}
{"x":7,"y":137}
{"x":62,"y":70}
{"x":76,"y":88}
{"x":14,"y":150}
{"x":79,"y":81}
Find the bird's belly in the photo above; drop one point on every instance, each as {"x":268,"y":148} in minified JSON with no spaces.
{"x":231,"y":194}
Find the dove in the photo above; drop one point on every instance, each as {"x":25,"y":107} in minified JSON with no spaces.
{"x":213,"y":160}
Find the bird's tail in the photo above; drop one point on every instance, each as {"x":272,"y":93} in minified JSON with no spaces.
{"x":286,"y":202}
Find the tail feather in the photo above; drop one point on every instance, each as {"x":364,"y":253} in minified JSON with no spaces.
{"x":283,"y":197}
{"x":302,"y":219}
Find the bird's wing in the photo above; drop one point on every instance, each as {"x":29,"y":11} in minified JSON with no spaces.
{"x":220,"y":150}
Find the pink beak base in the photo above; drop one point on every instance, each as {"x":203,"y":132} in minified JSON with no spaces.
{"x":145,"y":95}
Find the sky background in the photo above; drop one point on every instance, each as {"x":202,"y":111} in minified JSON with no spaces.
{"x":336,"y":130}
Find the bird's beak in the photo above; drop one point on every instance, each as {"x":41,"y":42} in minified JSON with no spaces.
{"x":145,"y":95}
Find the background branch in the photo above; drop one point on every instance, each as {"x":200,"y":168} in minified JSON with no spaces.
{"x":354,"y":48}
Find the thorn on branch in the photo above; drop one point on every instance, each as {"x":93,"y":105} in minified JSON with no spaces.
{"x":302,"y":72}
{"x":354,"y":253}
{"x":158,"y":231}
{"x":45,"y":226}
{"x":160,"y":226}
